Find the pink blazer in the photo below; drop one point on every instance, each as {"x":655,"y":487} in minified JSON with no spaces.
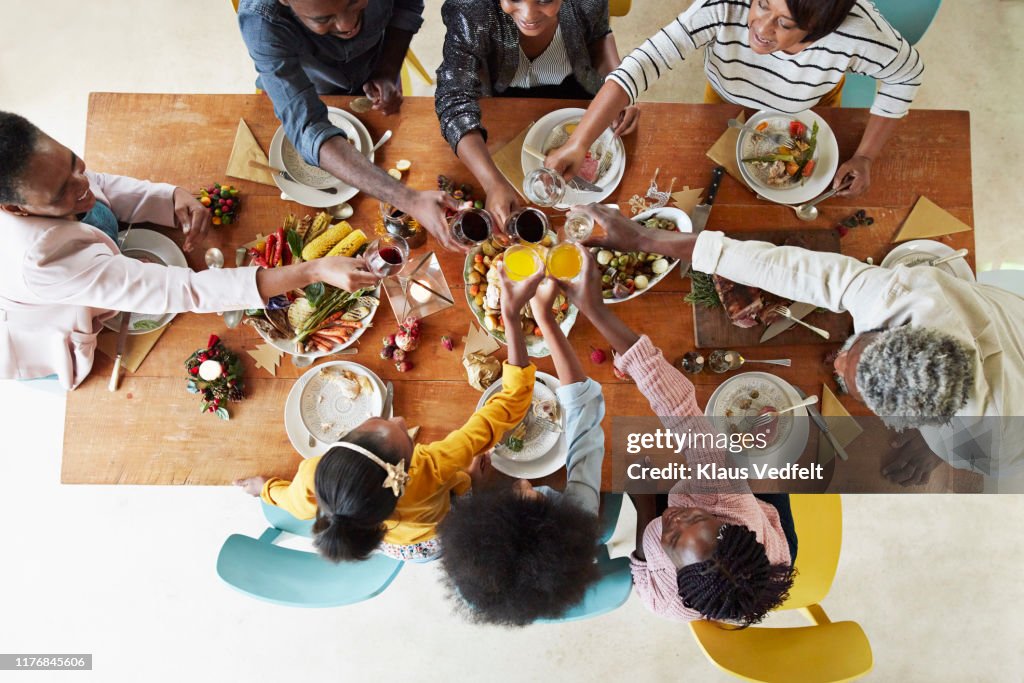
{"x":59,"y":280}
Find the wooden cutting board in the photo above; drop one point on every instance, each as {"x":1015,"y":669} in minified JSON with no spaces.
{"x":712,"y":329}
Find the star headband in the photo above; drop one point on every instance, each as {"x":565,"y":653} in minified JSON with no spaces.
{"x":397,"y":476}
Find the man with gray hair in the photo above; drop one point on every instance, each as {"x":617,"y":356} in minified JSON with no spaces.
{"x":931,"y":351}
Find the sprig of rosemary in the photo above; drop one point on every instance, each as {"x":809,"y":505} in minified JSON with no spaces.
{"x":702,"y":291}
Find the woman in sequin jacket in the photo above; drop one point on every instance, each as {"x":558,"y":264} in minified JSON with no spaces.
{"x":518,"y":48}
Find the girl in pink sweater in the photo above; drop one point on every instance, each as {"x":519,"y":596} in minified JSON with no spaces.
{"x":712,"y":555}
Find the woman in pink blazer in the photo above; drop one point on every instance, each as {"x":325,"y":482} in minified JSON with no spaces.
{"x":62,"y":275}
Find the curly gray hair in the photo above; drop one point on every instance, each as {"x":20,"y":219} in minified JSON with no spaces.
{"x":915,"y":376}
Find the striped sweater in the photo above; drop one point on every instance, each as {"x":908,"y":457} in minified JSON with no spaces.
{"x":864,"y":43}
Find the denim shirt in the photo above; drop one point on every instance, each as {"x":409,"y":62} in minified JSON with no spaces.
{"x":583,"y":403}
{"x":296,"y":66}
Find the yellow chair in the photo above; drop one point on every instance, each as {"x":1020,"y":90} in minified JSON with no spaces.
{"x":619,"y":8}
{"x":824,"y":652}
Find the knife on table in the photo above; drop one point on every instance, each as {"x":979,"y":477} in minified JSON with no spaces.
{"x":122,"y":341}
{"x":389,"y":397}
{"x":822,"y":426}
{"x":798,"y":310}
{"x":699,"y":217}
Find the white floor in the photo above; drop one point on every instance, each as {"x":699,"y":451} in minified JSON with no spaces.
{"x":127,"y":573}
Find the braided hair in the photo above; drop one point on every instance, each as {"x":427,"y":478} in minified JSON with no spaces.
{"x":737,"y":583}
{"x":352,"y":503}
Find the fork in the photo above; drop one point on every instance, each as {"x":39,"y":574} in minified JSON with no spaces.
{"x":785,"y":313}
{"x":762,"y":420}
{"x":775,"y":138}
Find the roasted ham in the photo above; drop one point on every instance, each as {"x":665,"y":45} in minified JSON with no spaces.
{"x":742,"y":304}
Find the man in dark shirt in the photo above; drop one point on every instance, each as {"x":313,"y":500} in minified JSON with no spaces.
{"x":306,"y":48}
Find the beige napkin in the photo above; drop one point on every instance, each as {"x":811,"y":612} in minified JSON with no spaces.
{"x":136,"y":347}
{"x":929,"y":220}
{"x":244,"y":150}
{"x":267,"y":356}
{"x":723,"y":152}
{"x":478,"y":341}
{"x":687,"y":199}
{"x":509,"y":160}
{"x":842,"y":426}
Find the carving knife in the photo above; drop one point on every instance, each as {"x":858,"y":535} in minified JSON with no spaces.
{"x":122,"y":341}
{"x":798,"y":310}
{"x":700,"y":214}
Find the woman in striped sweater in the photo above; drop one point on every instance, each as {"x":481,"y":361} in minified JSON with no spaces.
{"x":783,"y":55}
{"x":519,"y":48}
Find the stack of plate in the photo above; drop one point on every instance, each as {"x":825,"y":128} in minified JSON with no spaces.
{"x":304,"y":412}
{"x":611,"y":178}
{"x":544,"y":451}
{"x":312,"y":180}
{"x":826,"y":157}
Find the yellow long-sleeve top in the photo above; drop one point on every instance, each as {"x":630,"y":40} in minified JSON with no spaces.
{"x":436,"y":469}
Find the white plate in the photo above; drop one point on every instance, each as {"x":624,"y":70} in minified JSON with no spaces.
{"x":541,"y":466}
{"x":535,"y":346}
{"x":313,"y":176}
{"x":311,"y":196}
{"x":683,"y":223}
{"x":538,"y":440}
{"x":327,"y":413}
{"x":153,"y":247}
{"x":792,"y":437}
{"x":608,"y":182}
{"x":826,"y":156}
{"x":288,"y":345}
{"x":297,"y":433}
{"x":917,"y":252}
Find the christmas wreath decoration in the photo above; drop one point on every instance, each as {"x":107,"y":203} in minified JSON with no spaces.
{"x":215,"y":373}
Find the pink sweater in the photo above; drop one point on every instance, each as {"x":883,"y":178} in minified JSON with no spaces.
{"x":672,"y":395}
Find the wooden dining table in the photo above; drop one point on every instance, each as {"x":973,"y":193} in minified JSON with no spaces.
{"x":151,"y":431}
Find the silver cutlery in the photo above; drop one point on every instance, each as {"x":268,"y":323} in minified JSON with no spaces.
{"x":959,"y":253}
{"x":124,"y":236}
{"x":389,"y":398}
{"x":786,"y":313}
{"x":700,"y":213}
{"x":808,"y":211}
{"x":775,"y":138}
{"x":762,"y":420}
{"x":122,"y":342}
{"x":823,"y":427}
{"x":383,"y":138}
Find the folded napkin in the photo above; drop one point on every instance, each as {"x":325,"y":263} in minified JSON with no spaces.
{"x":687,"y":199}
{"x":929,"y":220}
{"x":478,"y":341}
{"x":509,"y":160}
{"x":244,"y":150}
{"x":723,"y":152}
{"x":267,"y":356}
{"x":842,"y":426}
{"x":136,"y":347}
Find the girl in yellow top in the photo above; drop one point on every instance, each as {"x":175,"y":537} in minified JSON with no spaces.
{"x":359,"y":491}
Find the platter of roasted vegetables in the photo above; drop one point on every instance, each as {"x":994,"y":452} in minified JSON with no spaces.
{"x":483,"y":292}
{"x":787,"y":159}
{"x":319,"y":319}
{"x":627,"y":275}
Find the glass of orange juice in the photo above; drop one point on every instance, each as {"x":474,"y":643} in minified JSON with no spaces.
{"x":522,"y":261}
{"x":565,"y":261}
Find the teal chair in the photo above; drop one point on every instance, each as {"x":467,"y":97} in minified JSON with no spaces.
{"x":911,"y":18}
{"x":296,"y":578}
{"x":612,"y":590}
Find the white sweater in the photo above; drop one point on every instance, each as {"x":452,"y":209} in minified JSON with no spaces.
{"x":864,"y":43}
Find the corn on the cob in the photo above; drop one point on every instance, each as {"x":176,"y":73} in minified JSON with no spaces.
{"x":350,"y":245}
{"x":320,"y":224}
{"x":322,"y":244}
